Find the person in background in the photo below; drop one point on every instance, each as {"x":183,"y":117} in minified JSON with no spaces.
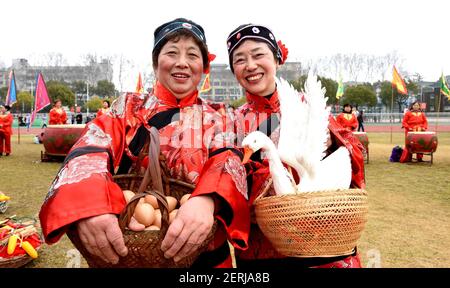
{"x":57,"y":115}
{"x":44,"y":121}
{"x":28,"y":121}
{"x":79,"y":118}
{"x":414,"y":120}
{"x":6,"y":120}
{"x":360,"y":118}
{"x":347,"y":118}
{"x":104,"y":109}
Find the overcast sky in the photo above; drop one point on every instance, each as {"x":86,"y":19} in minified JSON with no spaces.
{"x":417,"y":30}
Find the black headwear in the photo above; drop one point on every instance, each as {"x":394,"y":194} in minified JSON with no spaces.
{"x":254,"y":32}
{"x":180,"y":23}
{"x":7,"y":107}
{"x":162,"y":33}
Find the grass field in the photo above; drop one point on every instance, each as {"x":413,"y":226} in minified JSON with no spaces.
{"x":409,"y":217}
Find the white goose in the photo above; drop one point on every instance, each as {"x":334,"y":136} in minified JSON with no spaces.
{"x":303,"y":136}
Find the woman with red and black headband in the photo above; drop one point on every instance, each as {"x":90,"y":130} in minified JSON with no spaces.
{"x":254,"y":56}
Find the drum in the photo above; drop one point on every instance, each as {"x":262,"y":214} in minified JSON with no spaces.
{"x":362,"y":137}
{"x":421,"y":142}
{"x":58,"y":139}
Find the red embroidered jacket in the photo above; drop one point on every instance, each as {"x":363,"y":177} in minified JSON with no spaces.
{"x":414,"y":120}
{"x":102,"y":111}
{"x":260,"y":113}
{"x":193,"y":139}
{"x":56,"y":117}
{"x":351,"y":123}
{"x":6,"y":124}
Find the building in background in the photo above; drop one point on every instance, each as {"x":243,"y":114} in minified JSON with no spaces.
{"x":26,"y":74}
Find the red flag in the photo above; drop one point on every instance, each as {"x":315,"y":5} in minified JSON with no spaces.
{"x":41,"y":100}
{"x":206,"y":86}
{"x":139,"y":86}
{"x":398,"y":82}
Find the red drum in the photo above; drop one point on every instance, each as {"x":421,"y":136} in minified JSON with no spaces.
{"x":362,"y":137}
{"x":58,"y":139}
{"x":421,"y":142}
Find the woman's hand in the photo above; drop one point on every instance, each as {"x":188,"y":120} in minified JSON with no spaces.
{"x":190,"y":228}
{"x":102,"y":237}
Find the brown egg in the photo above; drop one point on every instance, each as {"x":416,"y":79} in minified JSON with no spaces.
{"x":152,"y":227}
{"x":144,"y":214}
{"x":150,"y":199}
{"x":172,"y":215}
{"x":171,"y":202}
{"x":128,"y":194}
{"x":157,"y":221}
{"x":184,"y":198}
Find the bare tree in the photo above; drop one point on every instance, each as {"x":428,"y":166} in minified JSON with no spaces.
{"x":148,"y":79}
{"x":55,"y":59}
{"x":124,"y":67}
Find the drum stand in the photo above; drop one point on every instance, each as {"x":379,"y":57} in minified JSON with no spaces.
{"x":423,"y":161}
{"x":51,"y":158}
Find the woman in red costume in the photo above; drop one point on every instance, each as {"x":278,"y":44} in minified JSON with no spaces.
{"x":193,"y":142}
{"x":254,"y":57}
{"x":347,"y":118}
{"x":57,"y":114}
{"x":6,"y":120}
{"x":414,"y":120}
{"x":104,"y":109}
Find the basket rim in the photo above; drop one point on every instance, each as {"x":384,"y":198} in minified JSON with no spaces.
{"x":308,"y":195}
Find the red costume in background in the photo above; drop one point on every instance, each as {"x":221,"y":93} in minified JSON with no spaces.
{"x":57,"y":116}
{"x":6,"y":121}
{"x":196,"y":149}
{"x":413,"y":121}
{"x":102,"y":111}
{"x":261,"y":113}
{"x":348,"y":121}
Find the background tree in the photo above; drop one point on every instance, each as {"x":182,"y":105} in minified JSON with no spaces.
{"x":387,"y":92}
{"x":93,"y":104}
{"x":3,"y":92}
{"x":329,"y":84}
{"x":24,"y":103}
{"x":360,"y":95}
{"x":104,"y":89}
{"x":59,"y":90}
{"x":78,"y":87}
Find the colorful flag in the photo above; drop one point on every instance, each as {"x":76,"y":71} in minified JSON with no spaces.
{"x":444,"y":87}
{"x":206,"y":86}
{"x":139,"y":86}
{"x":11,"y":97}
{"x":340,"y":89}
{"x":41,"y":99}
{"x":398,"y":82}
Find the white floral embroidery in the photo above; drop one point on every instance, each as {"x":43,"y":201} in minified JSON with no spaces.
{"x":234,"y":167}
{"x":118,"y":106}
{"x":81,"y":168}
{"x":96,"y":136}
{"x":151,"y":102}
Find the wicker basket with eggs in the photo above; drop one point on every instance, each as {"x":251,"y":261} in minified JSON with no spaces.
{"x":154,"y":205}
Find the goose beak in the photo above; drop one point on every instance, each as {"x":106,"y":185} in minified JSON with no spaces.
{"x":247,"y":154}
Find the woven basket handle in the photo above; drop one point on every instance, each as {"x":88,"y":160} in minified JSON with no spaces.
{"x":152,"y":176}
{"x":266,"y":189}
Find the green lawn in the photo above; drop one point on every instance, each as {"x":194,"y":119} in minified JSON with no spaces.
{"x":409,"y":217}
